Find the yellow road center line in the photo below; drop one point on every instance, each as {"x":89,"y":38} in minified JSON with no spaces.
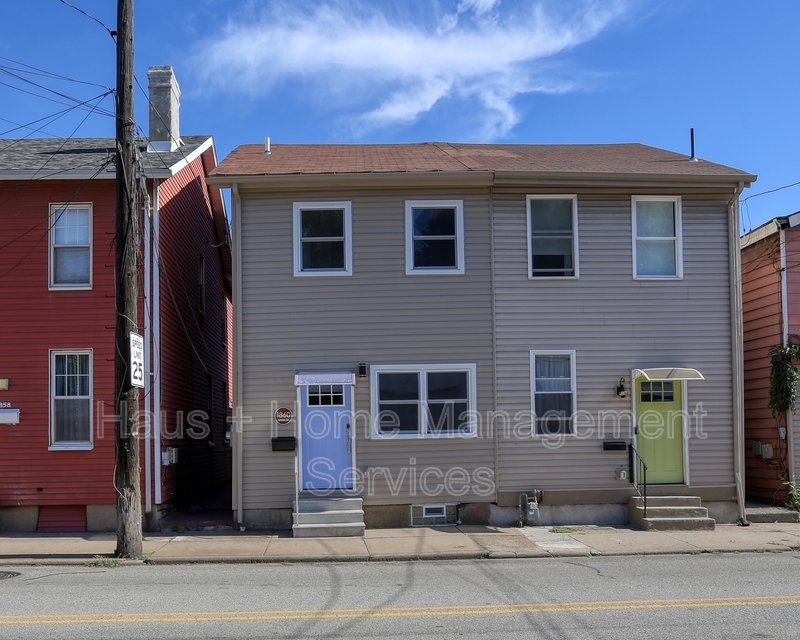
{"x":393,"y":612}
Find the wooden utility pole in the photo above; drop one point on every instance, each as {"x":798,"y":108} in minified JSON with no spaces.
{"x":129,"y":501}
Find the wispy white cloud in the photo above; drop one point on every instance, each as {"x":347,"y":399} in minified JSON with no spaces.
{"x":392,"y":69}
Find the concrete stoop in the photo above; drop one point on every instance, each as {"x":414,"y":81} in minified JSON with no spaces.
{"x":330,"y":516}
{"x":762,"y":512}
{"x":670,"y":513}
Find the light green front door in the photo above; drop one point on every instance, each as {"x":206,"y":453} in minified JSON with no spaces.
{"x":659,"y":418}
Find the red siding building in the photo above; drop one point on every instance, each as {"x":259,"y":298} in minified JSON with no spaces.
{"x":57,"y":255}
{"x":771,"y":308}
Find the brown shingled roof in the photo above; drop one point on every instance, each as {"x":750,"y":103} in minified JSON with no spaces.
{"x":294,"y":159}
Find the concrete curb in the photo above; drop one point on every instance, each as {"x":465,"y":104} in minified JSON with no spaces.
{"x":94,"y":562}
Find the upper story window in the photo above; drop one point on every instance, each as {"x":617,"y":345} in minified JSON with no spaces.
{"x":553,"y":236}
{"x":322,"y":239}
{"x":71,"y":399}
{"x":434,"y":236}
{"x":657,"y":246}
{"x":553,"y":391}
{"x":71,"y":246}
{"x":423,"y":400}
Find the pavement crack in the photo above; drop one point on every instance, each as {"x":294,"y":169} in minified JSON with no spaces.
{"x":586,"y":566}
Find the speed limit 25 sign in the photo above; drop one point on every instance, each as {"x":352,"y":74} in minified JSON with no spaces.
{"x":137,"y":360}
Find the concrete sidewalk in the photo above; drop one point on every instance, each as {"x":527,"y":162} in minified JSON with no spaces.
{"x":465,"y":542}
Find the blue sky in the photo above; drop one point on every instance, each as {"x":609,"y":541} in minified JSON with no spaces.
{"x":557,"y":71}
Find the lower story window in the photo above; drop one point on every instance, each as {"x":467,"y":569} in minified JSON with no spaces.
{"x":71,"y":399}
{"x":553,"y":391}
{"x":423,"y":400}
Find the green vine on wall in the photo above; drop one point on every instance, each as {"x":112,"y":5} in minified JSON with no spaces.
{"x":783,"y":377}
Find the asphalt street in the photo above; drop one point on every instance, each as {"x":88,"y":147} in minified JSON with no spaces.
{"x":749,"y":595}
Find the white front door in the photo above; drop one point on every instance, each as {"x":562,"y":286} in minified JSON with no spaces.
{"x":326,"y":437}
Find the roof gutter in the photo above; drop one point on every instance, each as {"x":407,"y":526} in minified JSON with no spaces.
{"x":346,"y":180}
{"x":737,"y":346}
{"x":237,"y":431}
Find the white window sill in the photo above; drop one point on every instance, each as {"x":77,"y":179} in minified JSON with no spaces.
{"x":658,"y":278}
{"x":71,"y":446}
{"x":311,"y":274}
{"x":71,"y":287}
{"x":424,"y":436}
{"x":435,"y":272}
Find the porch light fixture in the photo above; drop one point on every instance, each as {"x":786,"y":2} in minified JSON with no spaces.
{"x":622,"y":392}
{"x":362,"y":369}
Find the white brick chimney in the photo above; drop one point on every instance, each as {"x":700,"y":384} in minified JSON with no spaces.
{"x":165,"y":106}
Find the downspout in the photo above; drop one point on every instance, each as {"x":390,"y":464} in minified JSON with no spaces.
{"x":157,"y":344}
{"x":737,"y":344}
{"x":148,"y":481}
{"x":785,"y":342}
{"x":496,"y":435}
{"x":237,"y":432}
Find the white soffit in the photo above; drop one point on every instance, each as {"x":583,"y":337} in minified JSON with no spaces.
{"x":668,"y":373}
{"x":324,"y":378}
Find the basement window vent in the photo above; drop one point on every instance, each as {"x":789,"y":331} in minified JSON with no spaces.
{"x":426,"y":515}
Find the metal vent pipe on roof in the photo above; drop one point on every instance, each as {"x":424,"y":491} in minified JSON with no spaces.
{"x":266,"y":147}
{"x":693,"y":158}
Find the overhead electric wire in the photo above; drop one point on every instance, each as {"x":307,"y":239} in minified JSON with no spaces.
{"x":91,"y":17}
{"x":49,"y":74}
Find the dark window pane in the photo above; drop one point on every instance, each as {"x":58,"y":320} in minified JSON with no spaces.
{"x":323,"y":255}
{"x":447,"y":385}
{"x":401,"y":418}
{"x":447,"y":417}
{"x":72,"y":420}
{"x":553,"y":425}
{"x":71,"y":265}
{"x":435,"y":253}
{"x":323,"y":223}
{"x":398,"y":386}
{"x":560,"y":403}
{"x":434,"y":222}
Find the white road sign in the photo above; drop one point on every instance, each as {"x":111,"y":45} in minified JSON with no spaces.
{"x":137,"y":360}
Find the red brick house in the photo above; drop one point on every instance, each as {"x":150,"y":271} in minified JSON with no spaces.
{"x":771,"y":309}
{"x":57,"y":226}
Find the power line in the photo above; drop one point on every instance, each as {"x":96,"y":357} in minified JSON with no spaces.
{"x":49,"y":74}
{"x":91,"y":17}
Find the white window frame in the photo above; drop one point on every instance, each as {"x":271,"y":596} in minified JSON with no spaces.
{"x":52,"y":284}
{"x":297,"y":209}
{"x":573,"y":385}
{"x":77,"y":445}
{"x":422,"y":369}
{"x":574,"y":198}
{"x":678,"y":238}
{"x":458,"y":268}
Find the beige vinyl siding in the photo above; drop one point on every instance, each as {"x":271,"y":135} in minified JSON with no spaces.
{"x":378,"y":315}
{"x":614,"y":323}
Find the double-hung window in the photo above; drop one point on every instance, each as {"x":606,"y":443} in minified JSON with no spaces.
{"x":553,"y":391}
{"x":322,"y":239}
{"x":553,"y":236}
{"x":71,"y":399}
{"x":434,"y":236}
{"x":70,"y":246}
{"x":423,"y":401}
{"x":657,"y":248}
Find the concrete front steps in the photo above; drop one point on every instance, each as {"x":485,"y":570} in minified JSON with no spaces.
{"x":329,"y":516}
{"x":669,"y":513}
